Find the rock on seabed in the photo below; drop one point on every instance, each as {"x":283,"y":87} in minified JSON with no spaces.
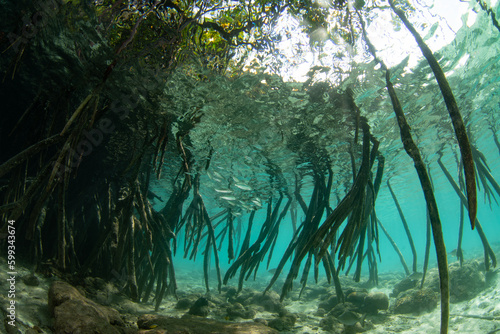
{"x":416,"y":301}
{"x":190,"y":324}
{"x":74,"y":313}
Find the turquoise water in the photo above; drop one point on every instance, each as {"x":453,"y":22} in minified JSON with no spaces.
{"x":111,"y":156}
{"x":251,"y":136}
{"x":250,"y":127}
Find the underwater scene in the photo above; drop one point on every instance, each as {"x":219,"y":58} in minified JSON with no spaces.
{"x":263,"y":166}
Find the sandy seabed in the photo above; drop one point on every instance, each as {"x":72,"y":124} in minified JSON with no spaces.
{"x":479,"y":315}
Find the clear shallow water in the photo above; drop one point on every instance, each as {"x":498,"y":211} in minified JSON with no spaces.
{"x":262,"y":135}
{"x":259,"y":135}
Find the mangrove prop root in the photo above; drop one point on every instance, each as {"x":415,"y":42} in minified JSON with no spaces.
{"x":27,"y":153}
{"x":376,"y":188}
{"x":161,"y":286}
{"x":132,"y":279}
{"x":305,"y":273}
{"x":275,"y":239}
{"x":212,"y":237}
{"x":230,"y":249}
{"x":372,"y":259}
{"x":361,"y":243}
{"x":323,"y":236}
{"x":354,"y":198}
{"x":414,"y":153}
{"x":289,"y":251}
{"x":200,"y":220}
{"x":305,"y":230}
{"x":456,"y":118}
{"x":412,"y":150}
{"x":427,"y":240}
{"x":336,"y":281}
{"x":18,"y":207}
{"x":488,"y":252}
{"x":495,"y":139}
{"x":427,"y":249}
{"x":271,"y":236}
{"x":483,"y":170}
{"x":77,"y":112}
{"x":250,"y":256}
{"x":460,"y":254}
{"x":396,"y":248}
{"x":405,"y":225}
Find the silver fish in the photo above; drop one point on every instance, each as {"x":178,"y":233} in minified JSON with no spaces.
{"x":217,"y":175}
{"x":242,"y":186}
{"x":224,"y":191}
{"x":257,"y":202}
